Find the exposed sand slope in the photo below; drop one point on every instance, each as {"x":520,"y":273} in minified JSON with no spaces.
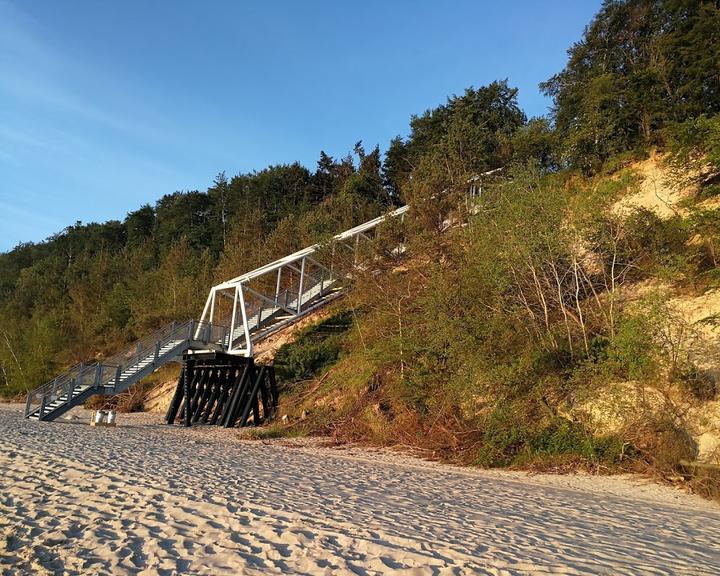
{"x":148,"y":499}
{"x":657,"y":191}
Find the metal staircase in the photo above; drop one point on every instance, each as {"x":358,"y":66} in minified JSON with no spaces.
{"x":238,"y":313}
{"x":115,"y":374}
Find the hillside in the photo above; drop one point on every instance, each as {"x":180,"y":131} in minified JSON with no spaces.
{"x":554,"y":330}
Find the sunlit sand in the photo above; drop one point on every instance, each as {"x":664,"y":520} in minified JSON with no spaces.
{"x":144,"y":498}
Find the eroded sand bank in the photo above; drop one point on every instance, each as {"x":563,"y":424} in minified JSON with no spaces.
{"x":147,"y":499}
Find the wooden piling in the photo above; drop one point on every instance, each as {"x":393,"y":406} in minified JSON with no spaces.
{"x":221,"y":389}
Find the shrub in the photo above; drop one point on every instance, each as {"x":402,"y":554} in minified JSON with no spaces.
{"x":701,"y":384}
{"x":511,"y":436}
{"x":629,"y":355}
{"x":662,"y":443}
{"x":316,"y":348}
{"x":695,"y":147}
{"x":653,"y":242}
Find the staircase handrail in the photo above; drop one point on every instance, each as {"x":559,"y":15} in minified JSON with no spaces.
{"x":102,"y":373}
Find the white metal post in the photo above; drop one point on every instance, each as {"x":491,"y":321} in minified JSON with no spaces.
{"x":300,"y":288}
{"x":207,"y":307}
{"x":212,"y":307}
{"x":277,"y":284}
{"x":248,"y":342}
{"x":232,"y":320}
{"x":204,"y":313}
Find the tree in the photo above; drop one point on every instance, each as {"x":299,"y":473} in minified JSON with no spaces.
{"x":324,"y":177}
{"x":397,"y":167}
{"x":640,"y":65}
{"x":219,"y":194}
{"x":468,"y":135}
{"x":139,"y":225}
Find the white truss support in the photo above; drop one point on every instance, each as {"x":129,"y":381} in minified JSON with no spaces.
{"x":248,"y":341}
{"x":203,"y":317}
{"x":304,"y":274}
{"x":212,"y":307}
{"x":300,"y":289}
{"x":232,"y":321}
{"x":275,"y":302}
{"x":316,"y":263}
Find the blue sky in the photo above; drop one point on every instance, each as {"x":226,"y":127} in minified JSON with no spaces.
{"x":105,"y":106}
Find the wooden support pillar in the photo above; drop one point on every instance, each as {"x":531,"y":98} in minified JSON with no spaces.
{"x":205,"y":385}
{"x":196,"y":390}
{"x":224,"y":386}
{"x":273,"y":388}
{"x":214,"y":384}
{"x":177,"y":399}
{"x":237,"y":396}
{"x":265,"y":395}
{"x":252,"y":397}
{"x":187,"y":374}
{"x":221,"y":389}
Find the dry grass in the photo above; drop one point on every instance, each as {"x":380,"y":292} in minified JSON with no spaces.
{"x":133,"y":399}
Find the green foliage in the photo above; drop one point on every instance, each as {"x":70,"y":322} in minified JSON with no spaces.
{"x":641,"y":65}
{"x":315,"y":349}
{"x":536,"y":142}
{"x":629,"y":354}
{"x":652,"y":242}
{"x":509,"y":440}
{"x":705,"y":223}
{"x":695,"y":152}
{"x":468,"y":135}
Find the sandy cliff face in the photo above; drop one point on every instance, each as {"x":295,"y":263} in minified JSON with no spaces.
{"x":620,"y":403}
{"x":657,"y":191}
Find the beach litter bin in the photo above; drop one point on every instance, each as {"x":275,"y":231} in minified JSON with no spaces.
{"x":103,"y":418}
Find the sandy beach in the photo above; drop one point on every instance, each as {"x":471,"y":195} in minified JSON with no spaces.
{"x":144,"y":498}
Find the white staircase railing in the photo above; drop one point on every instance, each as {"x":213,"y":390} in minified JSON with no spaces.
{"x":272,"y":296}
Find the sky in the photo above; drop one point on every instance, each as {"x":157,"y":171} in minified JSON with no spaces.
{"x":106,"y":106}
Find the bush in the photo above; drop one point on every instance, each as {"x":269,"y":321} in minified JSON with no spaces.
{"x":653,"y":242}
{"x":629,"y":355}
{"x":662,"y":444}
{"x":316,"y":348}
{"x":701,"y":384}
{"x":509,"y":437}
{"x":695,"y":147}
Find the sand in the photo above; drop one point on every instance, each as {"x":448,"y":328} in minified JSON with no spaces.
{"x":144,"y":498}
{"x":657,"y":191}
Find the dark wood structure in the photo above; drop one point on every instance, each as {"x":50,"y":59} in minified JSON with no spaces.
{"x":223,"y":390}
